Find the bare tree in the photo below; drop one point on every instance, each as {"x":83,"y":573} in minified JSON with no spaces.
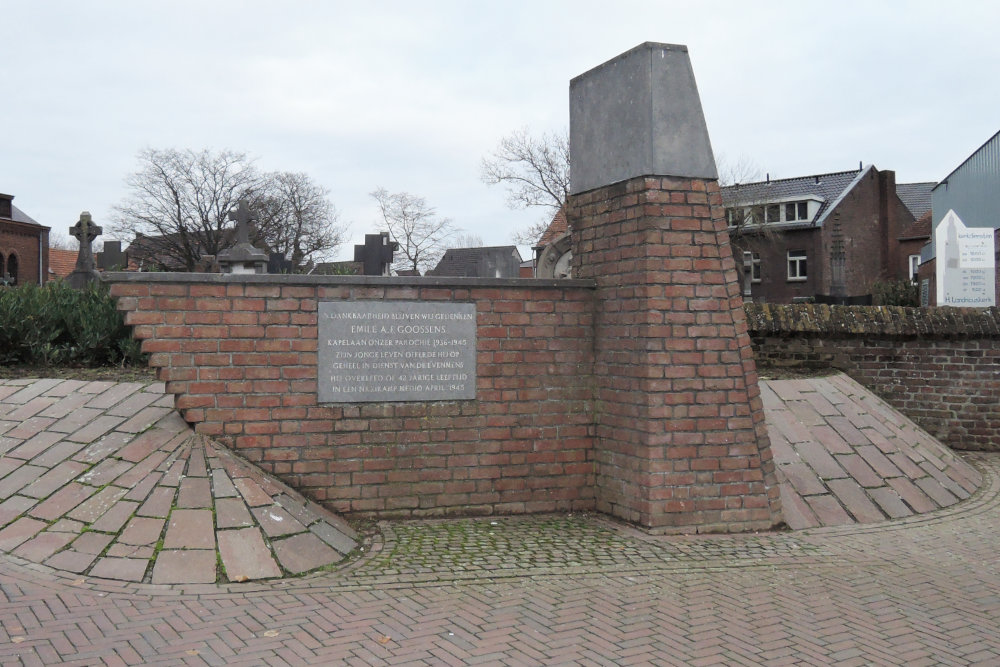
{"x":535,"y":172}
{"x":296,"y":218}
{"x":467,"y":241}
{"x":179,"y":201}
{"x":422,"y":236}
{"x":182,"y":200}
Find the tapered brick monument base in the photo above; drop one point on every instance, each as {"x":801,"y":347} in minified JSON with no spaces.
{"x":681,"y":443}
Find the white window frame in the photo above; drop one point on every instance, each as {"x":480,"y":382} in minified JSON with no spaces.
{"x":914,"y":264}
{"x":755,"y":275}
{"x":797,"y":265}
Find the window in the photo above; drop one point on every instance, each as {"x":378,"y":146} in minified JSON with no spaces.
{"x":797,"y":265}
{"x":735,"y":216}
{"x":772,"y":213}
{"x":914,"y":263}
{"x":11,"y":275}
{"x":755,"y":267}
{"x":796,"y":210}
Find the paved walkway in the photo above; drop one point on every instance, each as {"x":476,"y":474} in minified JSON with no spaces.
{"x":843,"y":456}
{"x":107,"y":479}
{"x":577,"y":589}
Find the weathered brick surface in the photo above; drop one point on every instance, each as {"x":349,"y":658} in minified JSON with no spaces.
{"x":241,"y":359}
{"x":936,"y":365}
{"x":681,"y":442}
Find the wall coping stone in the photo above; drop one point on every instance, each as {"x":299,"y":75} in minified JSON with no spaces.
{"x":877,"y":321}
{"x":367,"y":281}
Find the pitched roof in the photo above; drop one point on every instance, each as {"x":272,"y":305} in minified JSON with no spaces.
{"x":831,"y":188}
{"x":916,"y":197}
{"x":918,"y":229}
{"x":486,"y":262}
{"x":61,"y":262}
{"x":556,"y":228}
{"x":17,"y":215}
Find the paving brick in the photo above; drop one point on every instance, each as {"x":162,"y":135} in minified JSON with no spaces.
{"x":141,"y":531}
{"x":125,"y":569}
{"x":222,"y":485}
{"x":857,"y":502}
{"x":191,"y":566}
{"x":276,"y":521}
{"x":828,"y":510}
{"x":303,"y":552}
{"x":76,"y":420}
{"x":803,"y":479}
{"x":103,"y":447}
{"x":62,"y":501}
{"x":71,"y":561}
{"x":232,"y":513}
{"x":190,"y":529}
{"x":14,"y":507}
{"x":252,"y":493}
{"x":158,"y":503}
{"x":92,"y":542}
{"x":35,"y":445}
{"x":337,"y":539}
{"x":820,"y":461}
{"x":195,"y":492}
{"x":54,"y":480}
{"x":42,"y":546}
{"x":890,"y":502}
{"x":21,"y":530}
{"x":95,"y":429}
{"x":245,"y":556}
{"x":144,"y":419}
{"x":116,"y":516}
{"x":96,"y":506}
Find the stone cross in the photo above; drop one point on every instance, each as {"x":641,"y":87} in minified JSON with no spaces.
{"x":85,"y":231}
{"x":243,"y":217}
{"x":376,"y":254}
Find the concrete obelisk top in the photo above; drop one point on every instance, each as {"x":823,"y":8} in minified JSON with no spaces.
{"x":638,"y":114}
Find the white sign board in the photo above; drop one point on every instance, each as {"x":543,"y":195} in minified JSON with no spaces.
{"x":966,"y":265}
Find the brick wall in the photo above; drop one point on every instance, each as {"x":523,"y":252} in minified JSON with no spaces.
{"x":240,"y":354}
{"x":680,"y":437}
{"x":939,"y":366}
{"x":22,"y":241}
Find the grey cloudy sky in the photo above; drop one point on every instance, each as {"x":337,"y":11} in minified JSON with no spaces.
{"x":411,"y":95}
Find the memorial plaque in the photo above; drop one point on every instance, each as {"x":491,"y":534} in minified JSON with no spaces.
{"x":396,"y":351}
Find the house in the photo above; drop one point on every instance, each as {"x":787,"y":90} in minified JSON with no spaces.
{"x":825,"y":237}
{"x":24,"y":246}
{"x":61,"y":263}
{"x":972,"y":191}
{"x":485,"y":262}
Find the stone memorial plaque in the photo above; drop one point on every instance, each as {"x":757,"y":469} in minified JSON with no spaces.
{"x":382,"y":351}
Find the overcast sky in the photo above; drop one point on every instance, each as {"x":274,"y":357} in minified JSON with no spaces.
{"x":411,"y":95}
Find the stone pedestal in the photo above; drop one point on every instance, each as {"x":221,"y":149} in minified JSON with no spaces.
{"x":681,"y":443}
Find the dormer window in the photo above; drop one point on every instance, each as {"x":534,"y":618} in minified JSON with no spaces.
{"x":796,"y":211}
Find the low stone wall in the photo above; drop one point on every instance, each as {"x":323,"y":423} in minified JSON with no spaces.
{"x":240,"y":354}
{"x":939,"y":366}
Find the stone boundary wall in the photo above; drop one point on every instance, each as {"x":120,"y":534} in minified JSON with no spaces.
{"x":240,"y":355}
{"x":939,"y":366}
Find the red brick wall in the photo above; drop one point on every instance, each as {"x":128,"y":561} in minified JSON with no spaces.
{"x":938,"y":366}
{"x":22,"y":240}
{"x":240,"y":354}
{"x":681,"y":442}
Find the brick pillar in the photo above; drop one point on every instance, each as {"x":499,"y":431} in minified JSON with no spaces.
{"x":681,"y":441}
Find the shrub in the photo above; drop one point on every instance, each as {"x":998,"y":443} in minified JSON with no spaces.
{"x":57,"y":325}
{"x":896,"y":293}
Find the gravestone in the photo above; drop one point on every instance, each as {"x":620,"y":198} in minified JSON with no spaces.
{"x":243,"y":257}
{"x":111,"y":258}
{"x":375,"y":255}
{"x":84,"y":231}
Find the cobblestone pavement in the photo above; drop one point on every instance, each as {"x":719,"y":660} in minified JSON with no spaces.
{"x":567,"y":589}
{"x":555,"y":590}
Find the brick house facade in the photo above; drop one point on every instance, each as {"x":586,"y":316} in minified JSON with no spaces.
{"x":24,"y":246}
{"x":827,"y":237}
